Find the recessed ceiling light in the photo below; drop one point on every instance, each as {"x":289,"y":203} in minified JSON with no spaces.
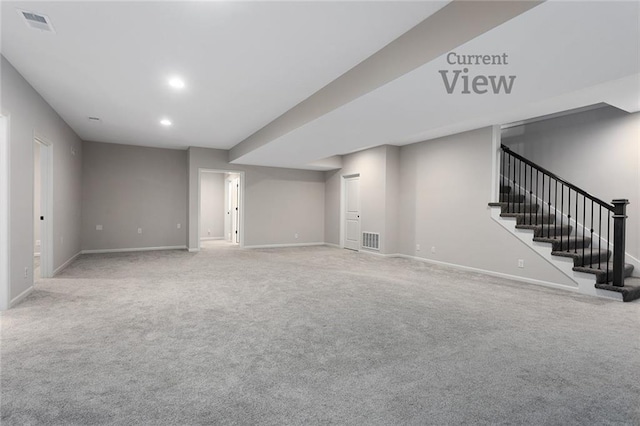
{"x":165,"y":122}
{"x":176,"y":83}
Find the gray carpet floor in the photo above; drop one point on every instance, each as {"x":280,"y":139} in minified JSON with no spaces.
{"x":311,"y":335}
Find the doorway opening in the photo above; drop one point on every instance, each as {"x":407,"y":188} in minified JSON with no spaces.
{"x":350,"y":213}
{"x":220,"y":213}
{"x":42,"y":209}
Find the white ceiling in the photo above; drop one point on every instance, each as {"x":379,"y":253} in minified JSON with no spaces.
{"x":245,"y":63}
{"x":564,"y":55}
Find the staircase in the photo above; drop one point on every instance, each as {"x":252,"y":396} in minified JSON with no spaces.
{"x":542,"y":202}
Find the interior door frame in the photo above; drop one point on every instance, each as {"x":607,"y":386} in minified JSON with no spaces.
{"x":240,"y":204}
{"x":46,"y":205}
{"x":5,"y":229}
{"x":343,"y":203}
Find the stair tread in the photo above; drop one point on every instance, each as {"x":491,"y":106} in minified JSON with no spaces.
{"x":601,"y":274}
{"x":548,"y":229}
{"x":630,"y":291}
{"x":565,"y":243}
{"x":579,"y":252}
{"x":554,"y":239}
{"x":512,"y":207}
{"x":526,"y":214}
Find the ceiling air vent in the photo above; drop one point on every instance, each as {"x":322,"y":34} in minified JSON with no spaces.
{"x":37,"y":21}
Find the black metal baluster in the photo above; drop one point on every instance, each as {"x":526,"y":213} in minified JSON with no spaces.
{"x":561,"y":215}
{"x":599,"y":235}
{"x":524,"y":186}
{"x":575,"y":245}
{"x":555,"y":206}
{"x":519,"y":173}
{"x":513,"y":182}
{"x":533,"y":199}
{"x":501,"y":174}
{"x":608,"y":239}
{"x":542,"y":203}
{"x":568,"y":221}
{"x":591,"y":235}
{"x":549,"y":208}
{"x":537,"y":195}
{"x":584,"y":222}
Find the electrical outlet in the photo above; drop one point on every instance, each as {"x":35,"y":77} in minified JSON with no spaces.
{"x":179,"y":226}
{"x":26,"y":272}
{"x":38,"y":243}
{"x":520,"y":263}
{"x":296,"y":235}
{"x":417,"y":247}
{"x":433,"y":249}
{"x":98,"y":227}
{"x":139,"y":230}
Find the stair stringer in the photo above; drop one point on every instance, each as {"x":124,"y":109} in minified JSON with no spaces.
{"x":585,"y":283}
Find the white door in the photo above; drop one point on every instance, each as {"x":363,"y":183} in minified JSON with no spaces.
{"x":235,"y":210}
{"x":45,"y":215}
{"x":352,"y":213}
{"x":227,"y":210}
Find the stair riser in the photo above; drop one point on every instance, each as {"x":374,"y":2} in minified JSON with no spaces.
{"x":551,"y":231}
{"x":569,"y":244}
{"x":535,"y":220}
{"x":601,"y":275}
{"x":514,"y":198}
{"x":519,"y":208}
{"x":602,"y":278}
{"x":591,"y":259}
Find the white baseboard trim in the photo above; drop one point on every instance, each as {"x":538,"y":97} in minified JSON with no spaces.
{"x":19,"y":298}
{"x":476,"y":270}
{"x":65,"y":264}
{"x":375,"y":253}
{"x":487,"y":272}
{"x":211,"y":238}
{"x":332,"y":245}
{"x":284,"y":245}
{"x":126,"y":250}
{"x":193,"y":250}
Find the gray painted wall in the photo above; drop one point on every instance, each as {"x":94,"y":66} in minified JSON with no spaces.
{"x":29,"y":114}
{"x":128,"y":187}
{"x":278,"y":203}
{"x":212,"y":205}
{"x":435,"y":194}
{"x":379,"y":170}
{"x":445,"y":185}
{"x":597,"y":150}
{"x":392,"y":191}
{"x":371,"y":166}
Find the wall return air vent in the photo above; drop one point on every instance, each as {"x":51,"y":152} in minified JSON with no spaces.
{"x":371,"y":240}
{"x":36,"y":21}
